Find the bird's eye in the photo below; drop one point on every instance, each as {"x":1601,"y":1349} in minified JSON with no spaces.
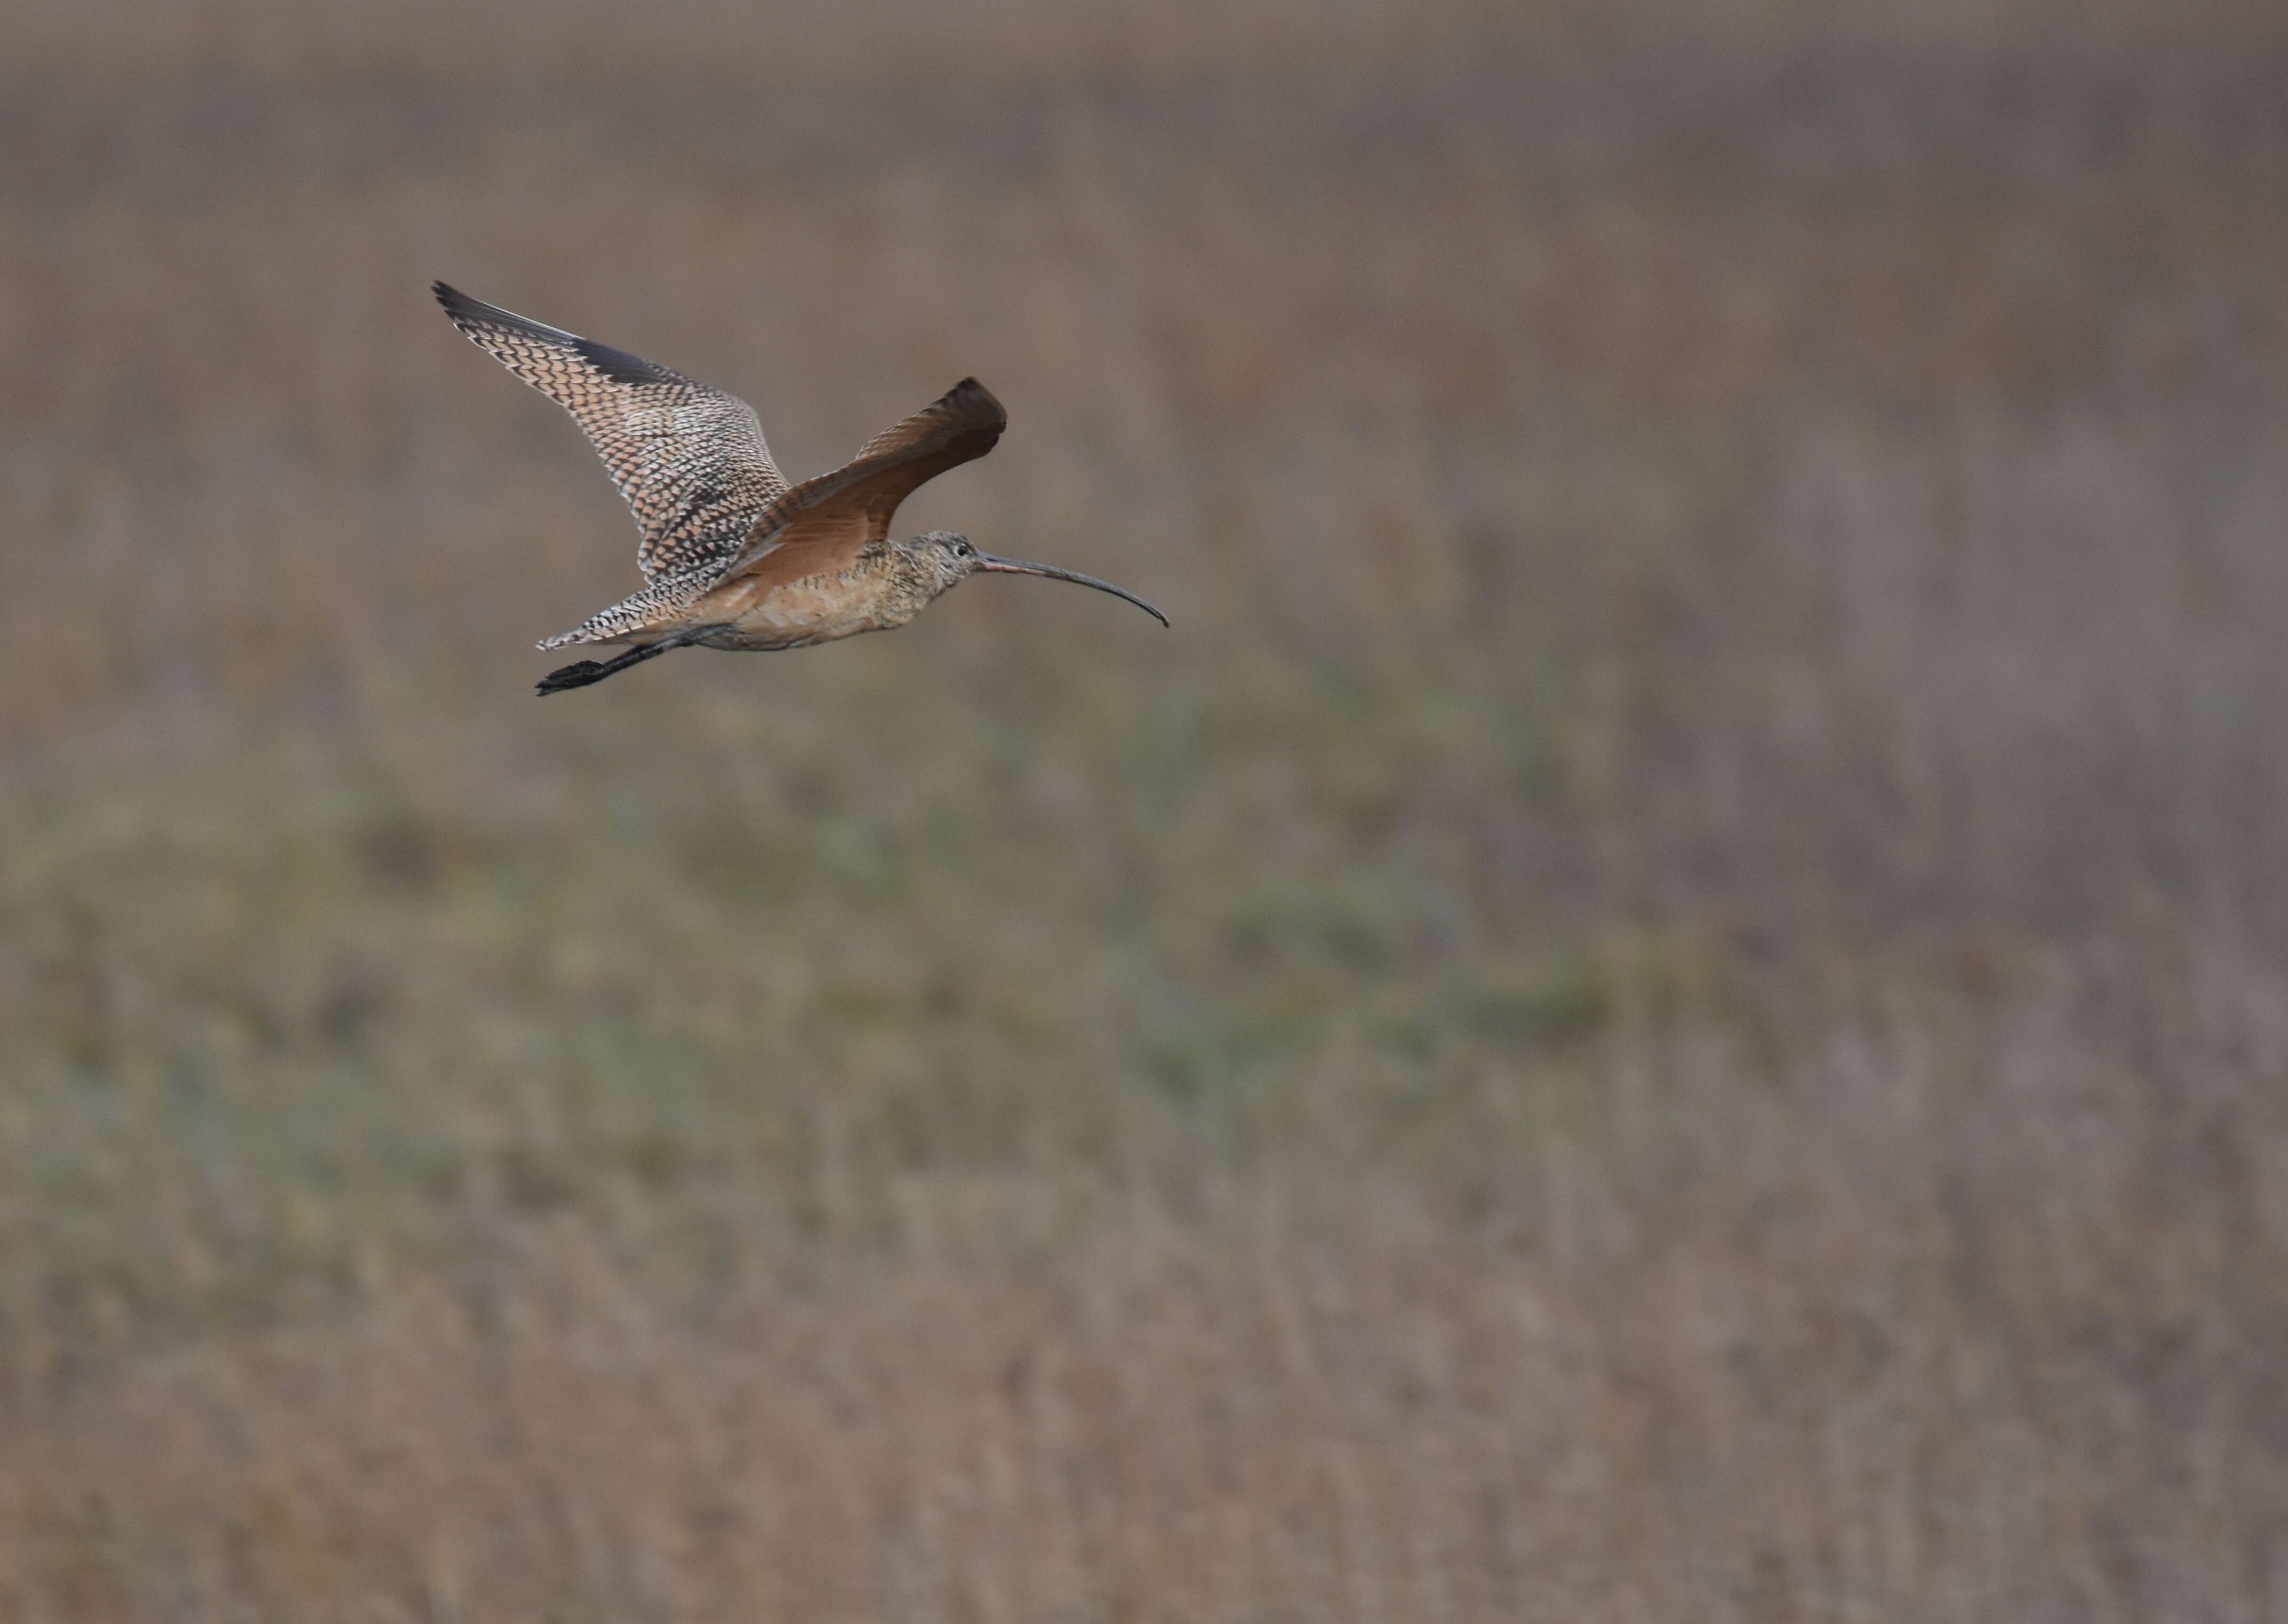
{"x":964,"y":548}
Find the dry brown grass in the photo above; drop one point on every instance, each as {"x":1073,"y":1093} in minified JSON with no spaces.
{"x":1665,"y":1002}
{"x":1855,"y":1349}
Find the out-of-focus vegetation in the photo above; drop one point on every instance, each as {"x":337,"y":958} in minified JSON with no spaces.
{"x":1665,"y":1001}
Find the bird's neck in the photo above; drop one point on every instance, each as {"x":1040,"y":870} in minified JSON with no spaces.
{"x":921,"y":568}
{"x":910,"y":577}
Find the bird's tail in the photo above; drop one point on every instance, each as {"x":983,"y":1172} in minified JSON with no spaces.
{"x":581,"y":633}
{"x":657,"y":605}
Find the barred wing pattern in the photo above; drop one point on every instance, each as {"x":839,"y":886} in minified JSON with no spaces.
{"x":821,"y":524}
{"x":690,"y":461}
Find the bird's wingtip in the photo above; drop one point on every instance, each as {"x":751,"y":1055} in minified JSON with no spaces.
{"x":979,"y":405}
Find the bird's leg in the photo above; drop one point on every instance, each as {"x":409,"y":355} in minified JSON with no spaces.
{"x":582,"y":672}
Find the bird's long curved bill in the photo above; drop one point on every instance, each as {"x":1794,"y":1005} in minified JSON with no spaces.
{"x":1015,"y":566}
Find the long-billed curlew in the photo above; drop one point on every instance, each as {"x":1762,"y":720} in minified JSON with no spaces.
{"x":733,"y":556}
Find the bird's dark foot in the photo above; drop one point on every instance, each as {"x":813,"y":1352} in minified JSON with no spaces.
{"x":576,"y":675}
{"x":584,"y":672}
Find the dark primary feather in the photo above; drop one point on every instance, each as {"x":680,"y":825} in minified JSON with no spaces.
{"x":690,"y":460}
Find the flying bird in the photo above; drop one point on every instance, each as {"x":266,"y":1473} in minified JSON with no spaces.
{"x":733,"y":556}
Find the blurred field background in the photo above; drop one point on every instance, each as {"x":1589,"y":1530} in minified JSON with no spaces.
{"x":1664,"y":1003}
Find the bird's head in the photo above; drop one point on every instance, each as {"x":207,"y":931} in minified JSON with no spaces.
{"x":952,"y":557}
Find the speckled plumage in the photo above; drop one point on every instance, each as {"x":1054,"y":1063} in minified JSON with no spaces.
{"x":690,"y":461}
{"x":733,"y":557}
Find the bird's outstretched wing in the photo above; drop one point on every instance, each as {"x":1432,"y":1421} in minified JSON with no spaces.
{"x":690,"y":459}
{"x":822,"y":523}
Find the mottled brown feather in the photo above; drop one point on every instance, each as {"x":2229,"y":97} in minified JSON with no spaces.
{"x":690,"y":460}
{"x":822,"y":524}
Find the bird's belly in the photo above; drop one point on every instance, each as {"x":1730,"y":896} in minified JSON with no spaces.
{"x":789,"y":617}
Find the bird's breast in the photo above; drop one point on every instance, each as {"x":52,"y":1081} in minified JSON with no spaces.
{"x":787,"y":615}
